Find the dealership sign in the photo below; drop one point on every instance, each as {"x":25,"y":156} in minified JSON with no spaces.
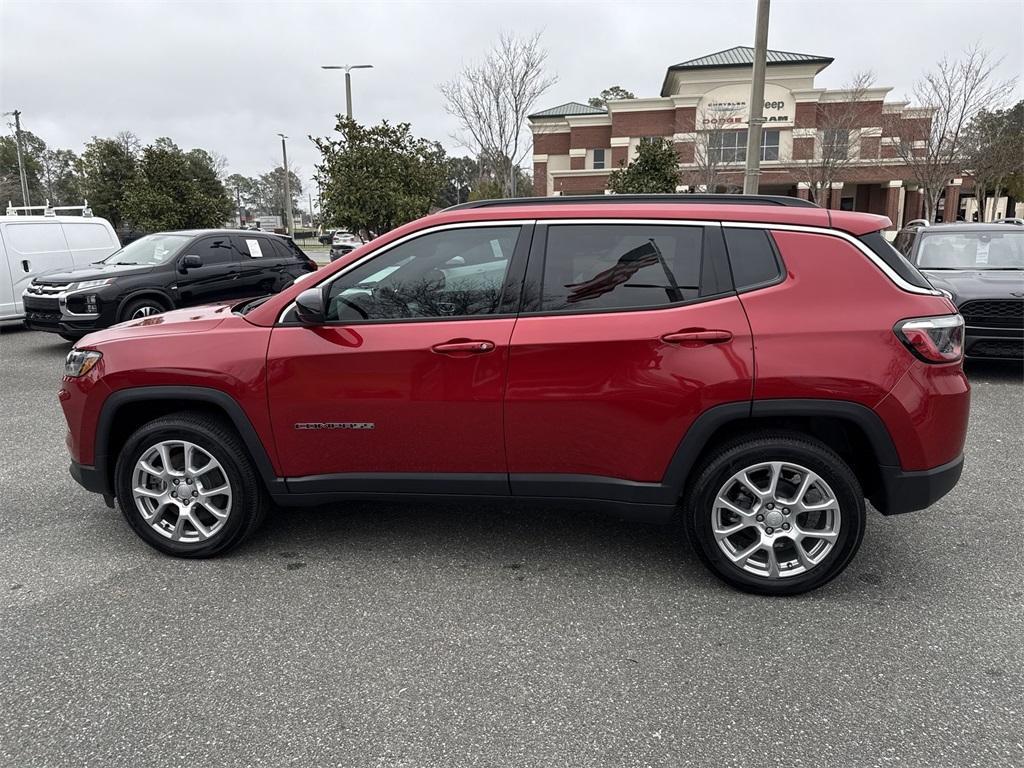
{"x":727,"y":105}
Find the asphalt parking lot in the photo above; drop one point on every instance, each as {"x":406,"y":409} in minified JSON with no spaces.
{"x":383,"y":635}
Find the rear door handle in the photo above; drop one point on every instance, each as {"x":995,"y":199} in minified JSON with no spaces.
{"x":697,"y":338}
{"x":463,"y":347}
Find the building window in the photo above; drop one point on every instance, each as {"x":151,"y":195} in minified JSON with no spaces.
{"x":731,"y":146}
{"x":835,"y":143}
{"x":598,"y":159}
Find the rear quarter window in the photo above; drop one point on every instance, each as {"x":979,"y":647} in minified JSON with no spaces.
{"x":753,"y":258}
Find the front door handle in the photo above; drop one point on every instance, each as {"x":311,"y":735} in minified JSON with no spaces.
{"x":463,"y":347}
{"x":697,"y":337}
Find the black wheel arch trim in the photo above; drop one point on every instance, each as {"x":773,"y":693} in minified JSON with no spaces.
{"x":102,"y":461}
{"x":165,"y":297}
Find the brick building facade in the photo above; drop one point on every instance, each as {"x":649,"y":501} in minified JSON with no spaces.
{"x":576,"y":146}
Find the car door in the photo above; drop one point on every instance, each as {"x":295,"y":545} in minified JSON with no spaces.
{"x":401,"y":390}
{"x":217,"y":278}
{"x":629,"y":331}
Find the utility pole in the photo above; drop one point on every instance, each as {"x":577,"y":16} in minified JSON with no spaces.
{"x":348,"y":81}
{"x":754,"y":126}
{"x":287,"y":188}
{"x":25,"y":200}
{"x":238,"y":202}
{"x":310,"y":195}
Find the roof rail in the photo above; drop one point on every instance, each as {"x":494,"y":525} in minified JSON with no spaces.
{"x":696,"y":199}
{"x":48,"y":210}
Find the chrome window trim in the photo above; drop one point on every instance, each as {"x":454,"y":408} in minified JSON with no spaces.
{"x":875,"y":259}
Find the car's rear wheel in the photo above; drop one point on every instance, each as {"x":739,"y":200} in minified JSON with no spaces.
{"x":187,"y":487}
{"x":775,"y":514}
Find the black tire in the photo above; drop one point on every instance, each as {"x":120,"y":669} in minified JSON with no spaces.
{"x":734,"y":456}
{"x":132,"y":307}
{"x":249,"y":503}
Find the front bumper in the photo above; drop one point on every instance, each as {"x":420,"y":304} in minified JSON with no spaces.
{"x":993,"y":343}
{"x":904,"y":491}
{"x":51,"y":313}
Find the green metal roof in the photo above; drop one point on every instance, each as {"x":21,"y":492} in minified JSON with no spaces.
{"x":743,"y":56}
{"x":571,"y":108}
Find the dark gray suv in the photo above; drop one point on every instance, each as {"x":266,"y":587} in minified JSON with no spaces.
{"x":981,"y":267}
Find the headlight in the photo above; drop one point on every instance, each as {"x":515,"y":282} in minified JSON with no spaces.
{"x":90,"y":284}
{"x":80,"y":361}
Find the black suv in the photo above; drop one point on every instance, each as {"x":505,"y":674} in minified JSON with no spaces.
{"x":163,"y":271}
{"x":981,"y":267}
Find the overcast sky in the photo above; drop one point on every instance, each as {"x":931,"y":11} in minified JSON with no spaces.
{"x":228,"y":77}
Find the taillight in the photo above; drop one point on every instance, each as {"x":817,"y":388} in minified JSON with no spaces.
{"x":933,"y":339}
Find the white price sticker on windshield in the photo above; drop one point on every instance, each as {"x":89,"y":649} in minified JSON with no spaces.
{"x":254,"y":249}
{"x":981,"y":255}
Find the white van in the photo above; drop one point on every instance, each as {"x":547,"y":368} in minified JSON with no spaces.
{"x":33,"y":244}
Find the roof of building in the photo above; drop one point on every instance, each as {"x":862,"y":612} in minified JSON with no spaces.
{"x":570,"y":108}
{"x":743,"y":56}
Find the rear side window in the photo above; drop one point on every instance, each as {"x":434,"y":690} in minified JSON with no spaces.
{"x":752,"y":257}
{"x":895,"y":260}
{"x":84,"y":236}
{"x":596,"y":267}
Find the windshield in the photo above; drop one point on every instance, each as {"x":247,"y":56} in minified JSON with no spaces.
{"x":972,"y":250}
{"x":149,"y":250}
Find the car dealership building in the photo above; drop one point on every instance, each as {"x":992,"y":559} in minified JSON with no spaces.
{"x":577,"y":146}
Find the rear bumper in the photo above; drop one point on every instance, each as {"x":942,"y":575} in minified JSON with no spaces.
{"x":89,"y":478}
{"x":909,"y":491}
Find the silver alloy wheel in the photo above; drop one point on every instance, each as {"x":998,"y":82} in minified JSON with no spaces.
{"x":146,"y":310}
{"x":181,"y":491}
{"x":776,"y":519}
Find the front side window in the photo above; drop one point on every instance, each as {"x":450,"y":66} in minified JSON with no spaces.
{"x":971,"y":250}
{"x":213,"y":250}
{"x":448,"y":274}
{"x":149,"y":250}
{"x":598,"y":159}
{"x":601,"y":267}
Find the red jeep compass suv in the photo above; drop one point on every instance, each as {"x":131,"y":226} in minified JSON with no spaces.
{"x":757,"y":366}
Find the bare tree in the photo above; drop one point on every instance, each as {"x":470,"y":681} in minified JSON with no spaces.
{"x":953,"y":94}
{"x":718,"y":149}
{"x":837,"y":140}
{"x":491,"y":100}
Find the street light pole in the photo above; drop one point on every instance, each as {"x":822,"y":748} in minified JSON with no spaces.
{"x":21,"y":163}
{"x":287,"y":188}
{"x":754,"y":126}
{"x":348,"y":81}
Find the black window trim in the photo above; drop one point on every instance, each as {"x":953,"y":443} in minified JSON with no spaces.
{"x":507,"y":305}
{"x":780,"y":265}
{"x":713,"y":248}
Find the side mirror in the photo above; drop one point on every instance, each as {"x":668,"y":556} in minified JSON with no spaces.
{"x":309,"y":307}
{"x":191,"y":261}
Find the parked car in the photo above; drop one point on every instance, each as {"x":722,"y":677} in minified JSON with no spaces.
{"x":981,"y":267}
{"x":343,"y":243}
{"x":756,"y":367}
{"x":32,"y":245}
{"x":162,"y":271}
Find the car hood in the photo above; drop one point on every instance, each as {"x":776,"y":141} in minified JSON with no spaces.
{"x":188,"y":320}
{"x":92,"y":272}
{"x":968,"y":284}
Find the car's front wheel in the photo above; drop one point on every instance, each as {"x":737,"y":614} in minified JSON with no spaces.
{"x":187,"y":487}
{"x":775,"y":514}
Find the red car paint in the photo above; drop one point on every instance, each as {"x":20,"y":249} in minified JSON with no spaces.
{"x":595,"y":395}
